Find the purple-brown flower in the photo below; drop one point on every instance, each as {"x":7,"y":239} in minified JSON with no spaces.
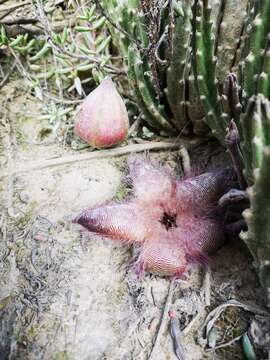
{"x":174,"y":221}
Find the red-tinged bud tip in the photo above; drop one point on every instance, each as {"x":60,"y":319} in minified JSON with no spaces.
{"x":103,"y":119}
{"x":172,"y":314}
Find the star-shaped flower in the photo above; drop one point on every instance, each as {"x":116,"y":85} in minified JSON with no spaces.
{"x":175,"y":221}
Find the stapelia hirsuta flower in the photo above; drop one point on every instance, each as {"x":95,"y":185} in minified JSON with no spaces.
{"x":174,"y":221}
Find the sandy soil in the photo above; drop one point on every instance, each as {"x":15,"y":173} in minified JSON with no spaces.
{"x":67,"y":295}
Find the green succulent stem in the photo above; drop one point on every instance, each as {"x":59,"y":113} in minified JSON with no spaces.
{"x":205,"y":70}
{"x":177,"y":69}
{"x":257,"y":217}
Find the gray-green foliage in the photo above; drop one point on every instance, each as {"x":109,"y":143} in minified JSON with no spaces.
{"x":65,"y":59}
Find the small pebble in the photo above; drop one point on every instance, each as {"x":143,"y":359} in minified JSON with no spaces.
{"x":24,"y":197}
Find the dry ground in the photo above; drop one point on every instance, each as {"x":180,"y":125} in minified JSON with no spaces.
{"x":65,"y":295}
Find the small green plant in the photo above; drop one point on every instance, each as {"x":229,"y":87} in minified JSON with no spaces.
{"x":67,"y":59}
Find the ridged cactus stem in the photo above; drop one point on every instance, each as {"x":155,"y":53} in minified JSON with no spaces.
{"x":256,"y":129}
{"x":205,"y":70}
{"x":258,"y":44}
{"x":177,"y":70}
{"x":121,"y":21}
{"x":246,"y":125}
{"x":230,"y":98}
{"x":257,"y":217}
{"x":144,"y":94}
{"x":256,"y":146}
{"x":264,"y":77}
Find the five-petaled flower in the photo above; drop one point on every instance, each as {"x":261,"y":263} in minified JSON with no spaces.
{"x":175,"y":221}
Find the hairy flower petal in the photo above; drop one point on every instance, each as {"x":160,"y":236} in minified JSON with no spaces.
{"x":151,"y":183}
{"x":203,"y":192}
{"x":119,"y":221}
{"x":161,"y":255}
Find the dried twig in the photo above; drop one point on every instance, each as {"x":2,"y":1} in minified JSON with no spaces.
{"x":10,"y":8}
{"x":15,"y":6}
{"x":163,"y":322}
{"x":62,"y":100}
{"x":228,"y":343}
{"x":17,"y":29}
{"x":19,"y":26}
{"x":98,"y":154}
{"x":170,"y":28}
{"x":6,"y":77}
{"x":207,"y":286}
{"x":177,"y":337}
{"x":19,"y":65}
{"x":160,"y":41}
{"x":19,"y":20}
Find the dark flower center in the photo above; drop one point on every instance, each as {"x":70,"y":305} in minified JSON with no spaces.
{"x":168,"y":220}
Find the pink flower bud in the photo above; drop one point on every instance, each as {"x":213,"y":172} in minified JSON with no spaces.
{"x":102,"y":120}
